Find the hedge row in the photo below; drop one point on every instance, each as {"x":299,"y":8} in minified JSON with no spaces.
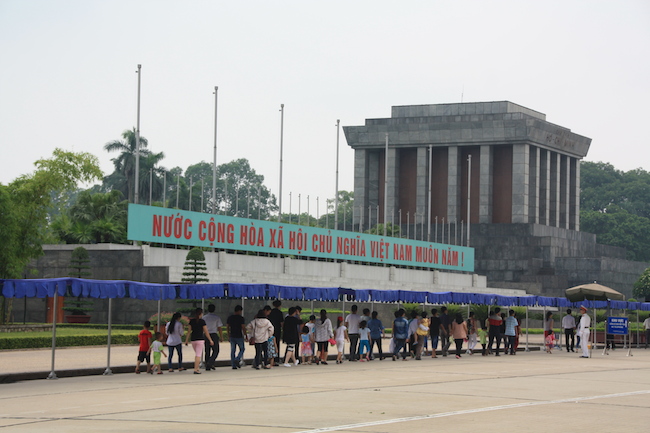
{"x":98,"y":326}
{"x":66,"y":341}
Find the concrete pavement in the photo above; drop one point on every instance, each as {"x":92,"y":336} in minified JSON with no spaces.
{"x":533,"y":391}
{"x":18,"y":365}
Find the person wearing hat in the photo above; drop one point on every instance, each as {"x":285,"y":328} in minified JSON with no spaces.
{"x":583,"y":331}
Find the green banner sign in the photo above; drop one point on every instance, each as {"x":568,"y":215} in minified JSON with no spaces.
{"x":173,"y":226}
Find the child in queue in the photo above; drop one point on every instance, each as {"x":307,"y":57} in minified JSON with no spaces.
{"x":482,"y":338}
{"x":306,"y":349}
{"x":364,"y":341}
{"x":157,"y":348}
{"x":341,"y":336}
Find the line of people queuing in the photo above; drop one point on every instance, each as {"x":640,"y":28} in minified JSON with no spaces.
{"x":309,"y":342}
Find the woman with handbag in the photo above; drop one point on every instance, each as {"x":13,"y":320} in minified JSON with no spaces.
{"x":174,"y":333}
{"x":323,"y":334}
{"x":260,"y":329}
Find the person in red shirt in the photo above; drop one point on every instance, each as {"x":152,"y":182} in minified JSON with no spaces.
{"x":145,"y":342}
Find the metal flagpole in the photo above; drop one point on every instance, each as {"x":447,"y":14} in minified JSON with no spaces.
{"x":164,"y":188}
{"x":214,"y":161}
{"x":408,"y":225}
{"x":327,"y":215}
{"x":289,"y":207}
{"x":436,"y":230}
{"x":400,"y":222}
{"x":202,"y":189}
{"x":150,"y":185}
{"x":299,"y":202}
{"x":55,"y":314}
{"x":336,"y":197}
{"x":190,"y":198}
{"x":361,"y":219}
{"x":429,"y":198}
{"x":281,"y":144}
{"x":137,"y":143}
{"x":308,"y":216}
{"x":469,"y":183}
{"x":527,"y":350}
{"x":178,"y":189}
{"x":462,"y":230}
{"x":385,"y":189}
{"x":108,"y":371}
{"x":637,"y":329}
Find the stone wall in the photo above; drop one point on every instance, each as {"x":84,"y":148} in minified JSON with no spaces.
{"x":547,"y":260}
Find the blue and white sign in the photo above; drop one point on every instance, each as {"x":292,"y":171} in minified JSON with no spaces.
{"x":617,"y":325}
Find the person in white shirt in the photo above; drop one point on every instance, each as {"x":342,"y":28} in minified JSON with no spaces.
{"x":583,"y":331}
{"x":215,"y":328}
{"x":646,"y":325}
{"x":569,"y":326}
{"x":352,"y":323}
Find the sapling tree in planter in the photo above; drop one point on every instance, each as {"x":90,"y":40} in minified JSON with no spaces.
{"x":194,"y":273}
{"x":78,"y":307}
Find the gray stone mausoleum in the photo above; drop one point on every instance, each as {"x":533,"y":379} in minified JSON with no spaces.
{"x":523,"y":174}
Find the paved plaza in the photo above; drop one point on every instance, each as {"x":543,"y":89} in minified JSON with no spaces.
{"x":532,"y":391}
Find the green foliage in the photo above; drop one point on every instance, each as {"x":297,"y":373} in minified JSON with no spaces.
{"x":123,"y":178}
{"x":79,"y":263}
{"x":166,"y":316}
{"x":615,"y":205}
{"x":26,"y":201}
{"x":25,"y":342}
{"x":619,"y":228}
{"x":195,"y":268}
{"x":391,"y":230}
{"x":241,"y":191}
{"x":346,"y":204}
{"x":642,"y":286}
{"x":93,"y":218}
{"x":78,"y":306}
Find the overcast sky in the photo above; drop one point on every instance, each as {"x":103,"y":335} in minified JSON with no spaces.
{"x":67,"y":76}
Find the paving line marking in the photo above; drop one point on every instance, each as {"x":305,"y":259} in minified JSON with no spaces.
{"x":471,"y":411}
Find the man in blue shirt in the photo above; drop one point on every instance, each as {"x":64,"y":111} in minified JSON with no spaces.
{"x":511,"y":332}
{"x":400,"y":333}
{"x":376,"y":332}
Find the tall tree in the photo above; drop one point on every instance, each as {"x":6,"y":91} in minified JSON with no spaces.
{"x":26,"y":201}
{"x":240,"y":190}
{"x":642,"y":286}
{"x":93,"y":218}
{"x":615,"y":205}
{"x":346,"y":206}
{"x":123,"y":178}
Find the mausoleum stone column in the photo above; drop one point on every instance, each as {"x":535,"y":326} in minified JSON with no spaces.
{"x":360,"y":183}
{"x":453,"y":185}
{"x":520,"y":183}
{"x":485,"y":185}
{"x":421,"y":189}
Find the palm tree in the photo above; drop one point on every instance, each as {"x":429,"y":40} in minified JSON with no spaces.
{"x":125,"y":161}
{"x":94,"y":218}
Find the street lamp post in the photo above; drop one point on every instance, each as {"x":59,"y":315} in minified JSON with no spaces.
{"x":336,"y":196}
{"x":137,"y":143}
{"x":281,"y":144}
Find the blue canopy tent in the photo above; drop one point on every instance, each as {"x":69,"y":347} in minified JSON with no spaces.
{"x":105,"y":289}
